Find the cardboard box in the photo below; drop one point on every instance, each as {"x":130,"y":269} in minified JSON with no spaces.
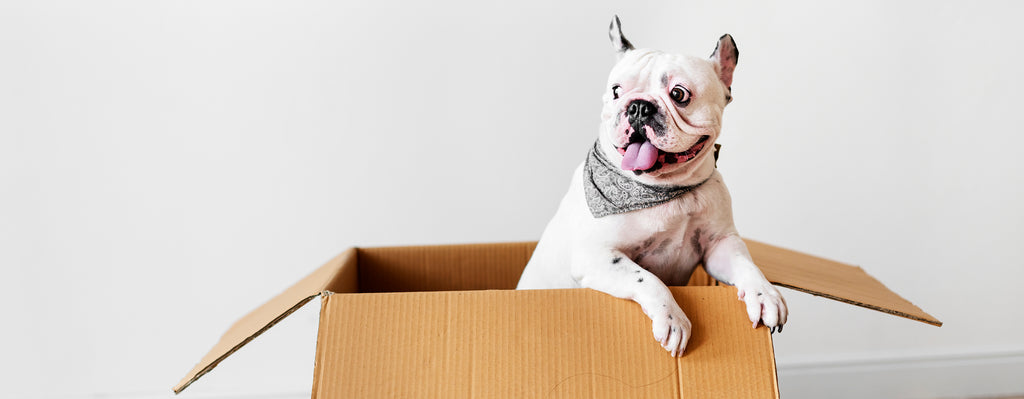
{"x":445,"y":321}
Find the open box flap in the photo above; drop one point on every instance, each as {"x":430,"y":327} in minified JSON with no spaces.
{"x":337,"y":275}
{"x":830,"y":279}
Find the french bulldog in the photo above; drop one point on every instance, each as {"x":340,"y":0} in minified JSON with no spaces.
{"x":648,"y":204}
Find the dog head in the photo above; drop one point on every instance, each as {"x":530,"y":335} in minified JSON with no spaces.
{"x":663,"y":112}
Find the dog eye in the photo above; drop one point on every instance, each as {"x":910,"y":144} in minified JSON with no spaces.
{"x":680,"y":95}
{"x":615,"y":91}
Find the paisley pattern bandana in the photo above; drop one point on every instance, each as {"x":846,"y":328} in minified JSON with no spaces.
{"x":608,"y":192}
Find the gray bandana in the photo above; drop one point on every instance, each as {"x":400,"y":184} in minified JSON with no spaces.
{"x":608,"y":192}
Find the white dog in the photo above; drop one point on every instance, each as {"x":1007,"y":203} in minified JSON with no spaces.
{"x":647,"y":205}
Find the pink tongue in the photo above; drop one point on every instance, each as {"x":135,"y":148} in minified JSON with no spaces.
{"x":640,"y":156}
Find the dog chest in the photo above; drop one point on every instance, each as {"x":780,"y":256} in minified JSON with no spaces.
{"x":666,"y":245}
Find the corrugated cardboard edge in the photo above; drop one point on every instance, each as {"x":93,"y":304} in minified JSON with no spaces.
{"x":324,"y":315}
{"x":337,"y":275}
{"x":833,"y":280}
{"x":775,"y":370}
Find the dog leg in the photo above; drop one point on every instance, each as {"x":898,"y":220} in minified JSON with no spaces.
{"x":615,"y":274}
{"x":728,"y":261}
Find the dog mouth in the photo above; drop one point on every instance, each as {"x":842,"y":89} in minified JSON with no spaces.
{"x":644,"y":157}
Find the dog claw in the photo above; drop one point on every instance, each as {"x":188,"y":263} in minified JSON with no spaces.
{"x":780,"y":328}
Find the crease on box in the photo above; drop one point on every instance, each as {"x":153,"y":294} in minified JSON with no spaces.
{"x":337,"y":275}
{"x":791,"y":269}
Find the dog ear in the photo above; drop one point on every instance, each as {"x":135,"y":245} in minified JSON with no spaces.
{"x":619,"y":42}
{"x":725,"y":57}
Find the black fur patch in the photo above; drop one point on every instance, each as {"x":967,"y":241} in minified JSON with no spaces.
{"x":624,"y":45}
{"x":637,"y":136}
{"x":695,"y":241}
{"x":735,"y":50}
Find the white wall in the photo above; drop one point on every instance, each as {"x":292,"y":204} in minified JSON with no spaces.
{"x":166,"y":166}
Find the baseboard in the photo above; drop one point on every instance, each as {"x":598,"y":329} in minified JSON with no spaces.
{"x":946,"y":376}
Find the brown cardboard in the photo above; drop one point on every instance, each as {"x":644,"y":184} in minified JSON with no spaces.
{"x":443,"y":267}
{"x":496,"y":344}
{"x":415,"y":321}
{"x":832,"y":280}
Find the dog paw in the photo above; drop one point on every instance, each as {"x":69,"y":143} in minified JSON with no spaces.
{"x":671,"y":328}
{"x":764,"y":304}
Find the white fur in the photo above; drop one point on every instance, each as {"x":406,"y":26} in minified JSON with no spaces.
{"x":634,"y":255}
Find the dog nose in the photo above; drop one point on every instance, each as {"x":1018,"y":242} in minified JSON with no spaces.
{"x":640,"y":110}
